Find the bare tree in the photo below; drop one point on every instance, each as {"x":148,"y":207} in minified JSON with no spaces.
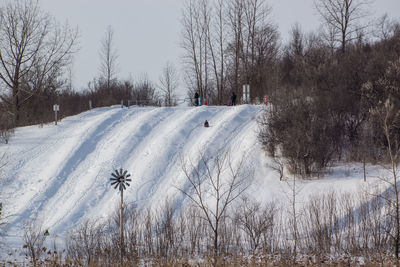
{"x":169,"y":82}
{"x":227,"y":44}
{"x":256,"y":14}
{"x":70,"y":78}
{"x":343,"y":17}
{"x":293,"y":213}
{"x":387,"y":114}
{"x":292,"y":193}
{"x":329,"y":34}
{"x":212,"y":185}
{"x":384,"y":27}
{"x":252,"y":36}
{"x":34,"y":49}
{"x":2,"y":164}
{"x":108,"y":57}
{"x":217,"y":42}
{"x":195,"y":21}
{"x":235,"y":17}
{"x":296,"y":45}
{"x":390,"y":118}
{"x":278,"y":165}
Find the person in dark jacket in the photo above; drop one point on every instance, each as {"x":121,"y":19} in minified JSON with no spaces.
{"x":196,"y":99}
{"x":206,"y":124}
{"x":233,"y":99}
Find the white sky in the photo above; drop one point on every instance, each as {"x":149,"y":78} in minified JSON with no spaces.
{"x":147,"y":32}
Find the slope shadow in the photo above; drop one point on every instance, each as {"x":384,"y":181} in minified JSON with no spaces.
{"x":78,"y":156}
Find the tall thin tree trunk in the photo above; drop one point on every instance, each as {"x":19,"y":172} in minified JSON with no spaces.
{"x":393,"y":161}
{"x":16,"y":108}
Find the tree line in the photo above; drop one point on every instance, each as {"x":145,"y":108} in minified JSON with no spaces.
{"x":334,"y":106}
{"x":338,"y":90}
{"x":36,"y":54}
{"x":228,"y":44}
{"x":325,"y":87}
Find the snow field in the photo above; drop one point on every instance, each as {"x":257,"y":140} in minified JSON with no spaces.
{"x":60,"y":174}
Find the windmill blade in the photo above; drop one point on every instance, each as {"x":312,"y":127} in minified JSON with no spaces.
{"x":123,"y":185}
{"x":115,"y":187}
{"x":129,"y":175}
{"x":114,"y":179}
{"x":120,"y":171}
{"x":128,"y":180}
{"x":127,"y":184}
{"x":113,"y":183}
{"x":113,"y":175}
{"x":125,"y":172}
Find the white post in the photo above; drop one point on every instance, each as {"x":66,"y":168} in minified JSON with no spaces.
{"x":56,"y":108}
{"x":246,"y":93}
{"x":90,"y":104}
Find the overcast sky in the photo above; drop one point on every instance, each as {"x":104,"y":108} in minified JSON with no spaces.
{"x":147,"y":32}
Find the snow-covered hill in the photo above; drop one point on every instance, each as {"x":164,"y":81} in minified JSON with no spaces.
{"x":60,"y":174}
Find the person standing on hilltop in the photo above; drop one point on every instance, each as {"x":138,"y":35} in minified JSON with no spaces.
{"x":233,"y":99}
{"x":196,"y":99}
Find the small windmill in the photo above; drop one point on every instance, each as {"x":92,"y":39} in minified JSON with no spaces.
{"x":120,"y":179}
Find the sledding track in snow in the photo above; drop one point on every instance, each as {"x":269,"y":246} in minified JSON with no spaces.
{"x":61,"y":173}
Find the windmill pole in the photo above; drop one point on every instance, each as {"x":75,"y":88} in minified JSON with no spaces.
{"x":121,"y":227}
{"x":120,"y":179}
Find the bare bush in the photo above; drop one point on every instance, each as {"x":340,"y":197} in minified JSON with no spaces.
{"x":321,"y":223}
{"x":195,"y":230}
{"x":165,"y":230}
{"x":33,"y":237}
{"x":343,"y":225}
{"x":302,"y":136}
{"x":85,"y":243}
{"x":6,"y":127}
{"x":148,"y":232}
{"x":132,"y":232}
{"x":255,"y":220}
